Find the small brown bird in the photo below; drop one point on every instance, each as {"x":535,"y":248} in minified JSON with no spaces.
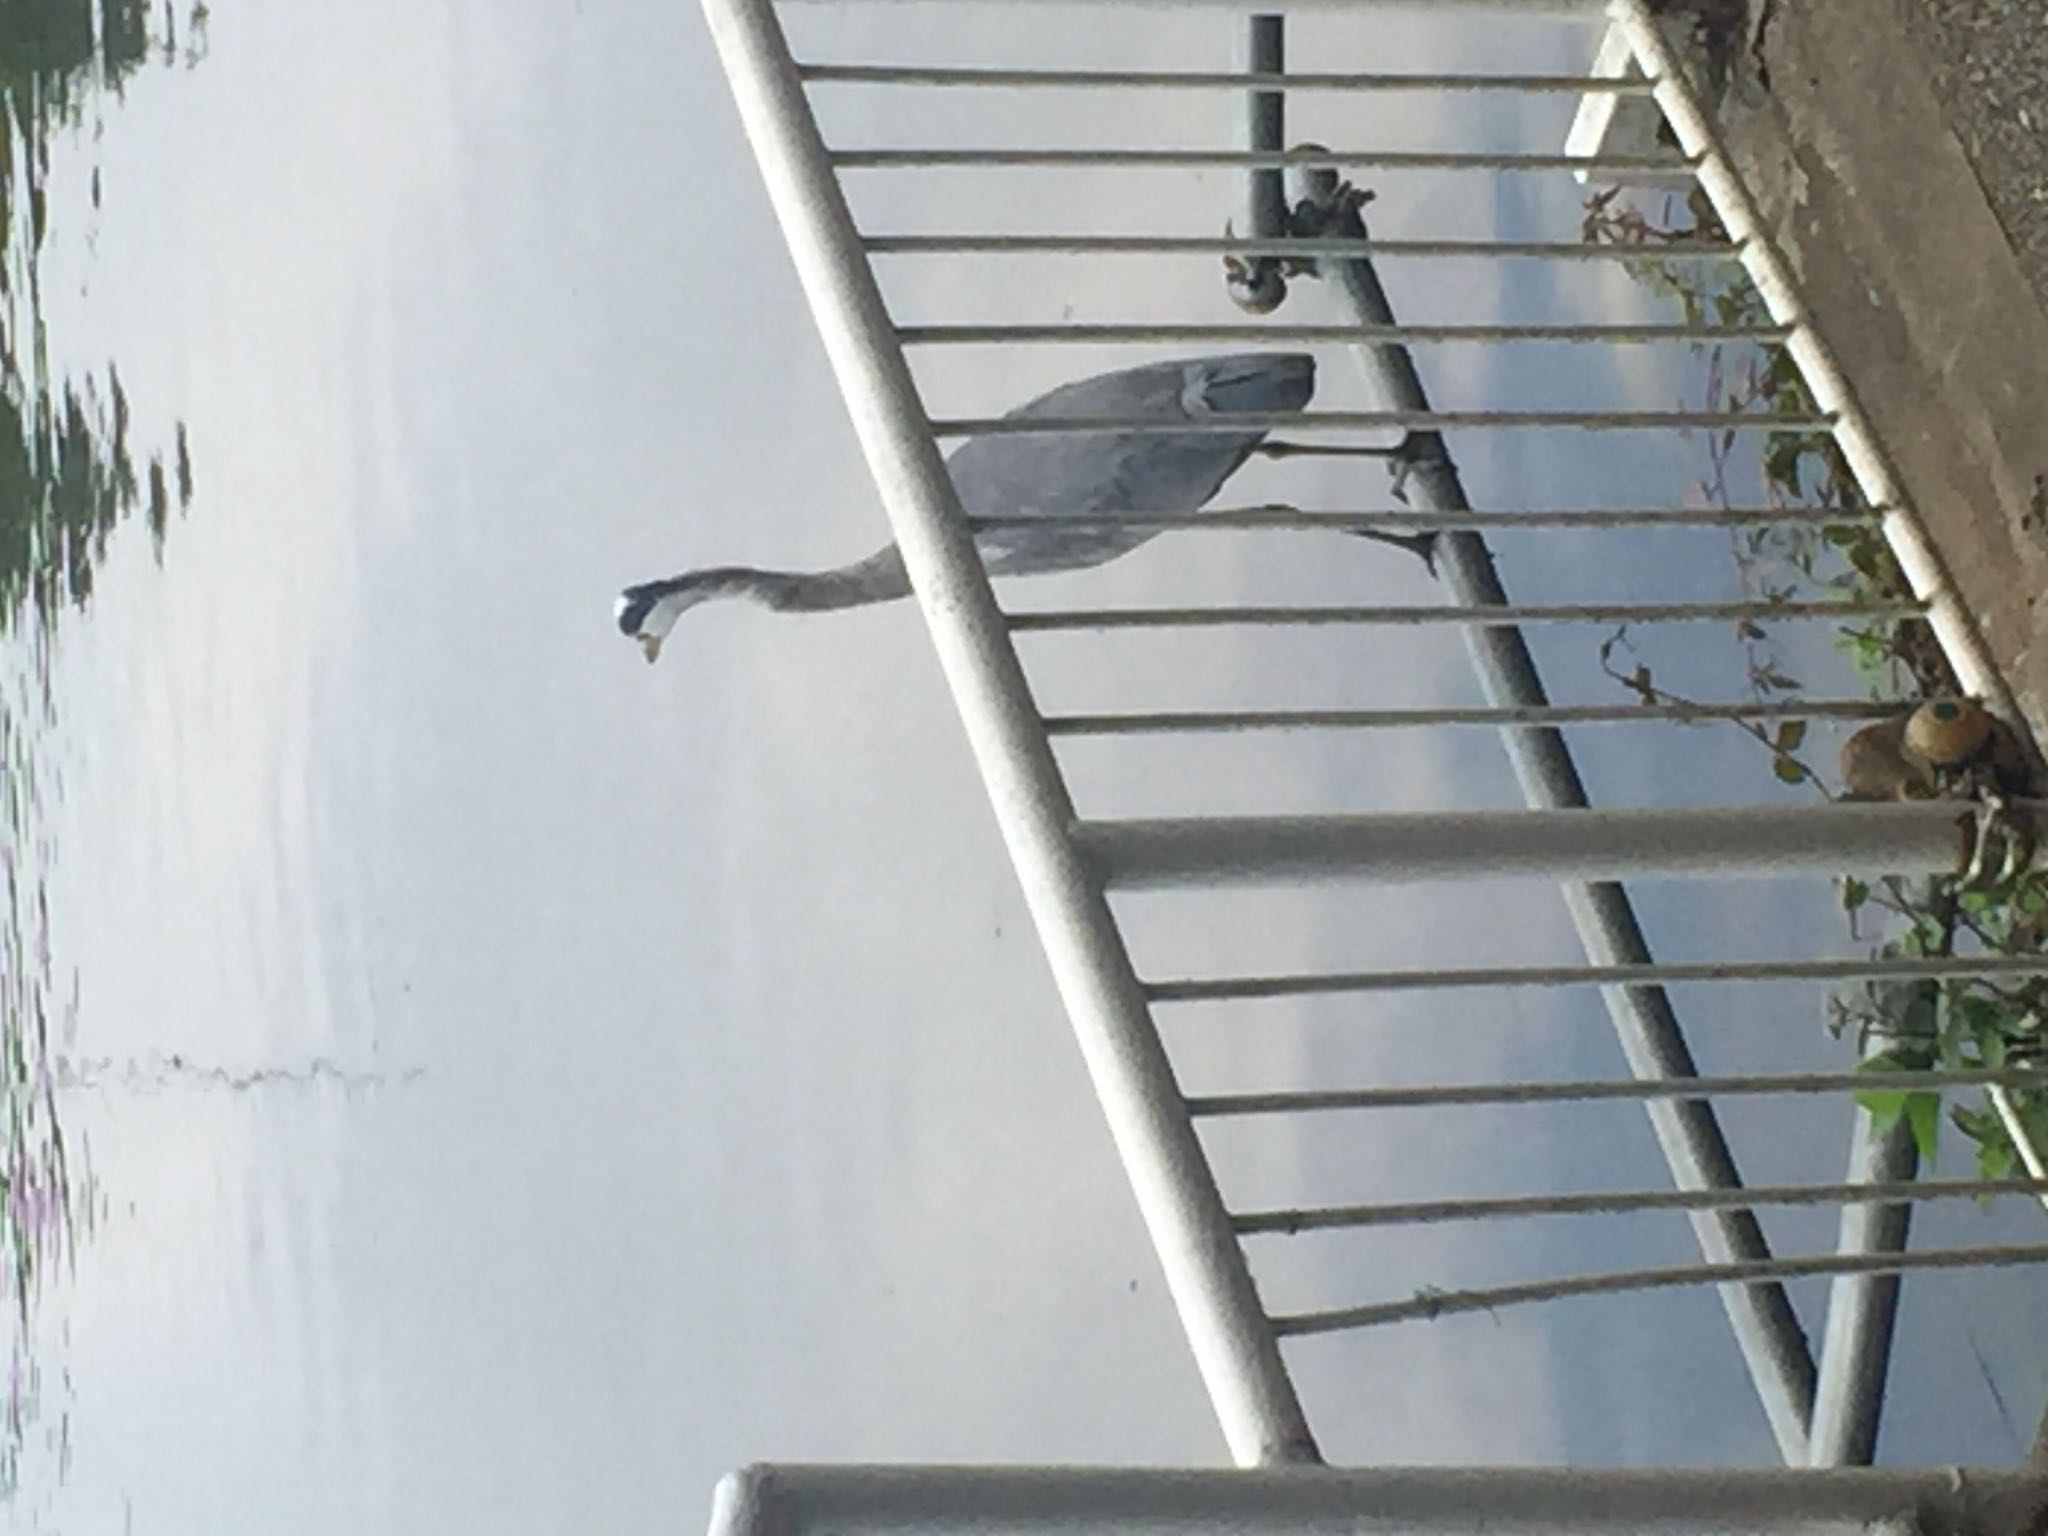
{"x":1945,"y":747}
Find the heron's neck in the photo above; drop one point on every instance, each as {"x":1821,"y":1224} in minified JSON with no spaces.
{"x":878,"y":579}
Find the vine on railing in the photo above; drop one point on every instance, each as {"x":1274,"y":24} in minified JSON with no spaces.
{"x":1841,"y":552}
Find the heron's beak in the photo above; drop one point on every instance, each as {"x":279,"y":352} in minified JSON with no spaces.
{"x":651,"y":645}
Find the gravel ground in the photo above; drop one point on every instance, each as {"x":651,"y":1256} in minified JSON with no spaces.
{"x":1988,"y":62}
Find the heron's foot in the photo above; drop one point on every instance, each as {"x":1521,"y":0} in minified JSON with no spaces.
{"x":1421,"y":545}
{"x":1399,"y":469}
{"x":1325,"y":203}
{"x":1327,"y":206}
{"x":1414,"y":451}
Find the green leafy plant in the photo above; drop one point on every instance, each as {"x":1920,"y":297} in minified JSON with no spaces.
{"x":1840,"y":552}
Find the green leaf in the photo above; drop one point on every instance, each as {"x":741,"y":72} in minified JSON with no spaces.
{"x":1996,"y":1158}
{"x":1929,"y":934}
{"x":1854,"y":893}
{"x":1781,"y":463}
{"x":1790,"y":735}
{"x":1904,"y":1057}
{"x":1923,"y":1114}
{"x":1987,"y":1024}
{"x":1885,"y":1109}
{"x":1976,"y":1124}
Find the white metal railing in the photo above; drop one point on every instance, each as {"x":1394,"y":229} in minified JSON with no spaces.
{"x":953,"y":1501}
{"x":1436,"y":1502}
{"x":1068,"y":865}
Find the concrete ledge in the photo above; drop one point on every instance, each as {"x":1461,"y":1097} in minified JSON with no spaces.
{"x":1832,"y":116}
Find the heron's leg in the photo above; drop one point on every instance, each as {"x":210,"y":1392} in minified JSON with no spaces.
{"x":1415,"y":448}
{"x":1421,"y":545}
{"x":1279,"y":450}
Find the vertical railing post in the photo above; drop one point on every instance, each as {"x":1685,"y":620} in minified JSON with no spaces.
{"x":1233,"y":1343}
{"x":1264,"y":52}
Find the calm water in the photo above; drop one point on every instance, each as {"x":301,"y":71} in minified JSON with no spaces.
{"x":458,"y":1074}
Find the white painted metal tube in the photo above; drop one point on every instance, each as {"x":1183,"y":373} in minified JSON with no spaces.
{"x":1503,"y":616}
{"x":1246,"y":245}
{"x":1528,"y":7}
{"x":922,"y":158}
{"x":1213,"y":722}
{"x":1234,"y":1347}
{"x":1492,"y":1298}
{"x":944,"y":76}
{"x":1264,"y":213}
{"x":1379,"y":1501}
{"x":1162,"y":333}
{"x":1322,"y":1101}
{"x":1374,"y":421}
{"x":1851,"y":1196}
{"x":1219,"y":989}
{"x":2022,"y":1139}
{"x":1856,"y":1344}
{"x":1290,"y":519}
{"x":1740,"y":216}
{"x":1917,"y":837}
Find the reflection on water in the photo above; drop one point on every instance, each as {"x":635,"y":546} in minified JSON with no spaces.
{"x":68,"y":477}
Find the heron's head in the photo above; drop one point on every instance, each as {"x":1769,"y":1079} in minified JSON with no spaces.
{"x":647,"y":612}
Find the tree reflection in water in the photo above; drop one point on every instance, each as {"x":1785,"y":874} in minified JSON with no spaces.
{"x":69,"y":476}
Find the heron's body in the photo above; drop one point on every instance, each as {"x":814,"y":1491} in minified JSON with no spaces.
{"x":1063,"y":474}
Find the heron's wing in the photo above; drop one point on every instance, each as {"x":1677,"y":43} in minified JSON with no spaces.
{"x":1119,"y":470}
{"x":1187,"y":388}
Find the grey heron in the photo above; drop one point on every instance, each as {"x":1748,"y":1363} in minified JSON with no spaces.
{"x":1069,"y":474}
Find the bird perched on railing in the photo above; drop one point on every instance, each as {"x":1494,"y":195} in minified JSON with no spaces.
{"x":1950,"y":749}
{"x":1945,"y":747}
{"x":1065,"y":474}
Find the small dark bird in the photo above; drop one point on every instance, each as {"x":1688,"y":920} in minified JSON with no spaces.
{"x":1945,"y":747}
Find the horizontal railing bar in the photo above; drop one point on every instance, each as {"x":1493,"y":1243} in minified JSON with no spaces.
{"x":784,"y":1499}
{"x":1339,"y":983}
{"x":1287,"y":245}
{"x":1331,"y":1218}
{"x":1436,"y":1303}
{"x":933,"y":158}
{"x":1288,"y":518}
{"x":1686,"y":842}
{"x":1091,"y":334}
{"x":1156,"y":79}
{"x":1407,"y":421}
{"x":1601,"y":1090}
{"x":1210,"y":722}
{"x":1051,"y":619}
